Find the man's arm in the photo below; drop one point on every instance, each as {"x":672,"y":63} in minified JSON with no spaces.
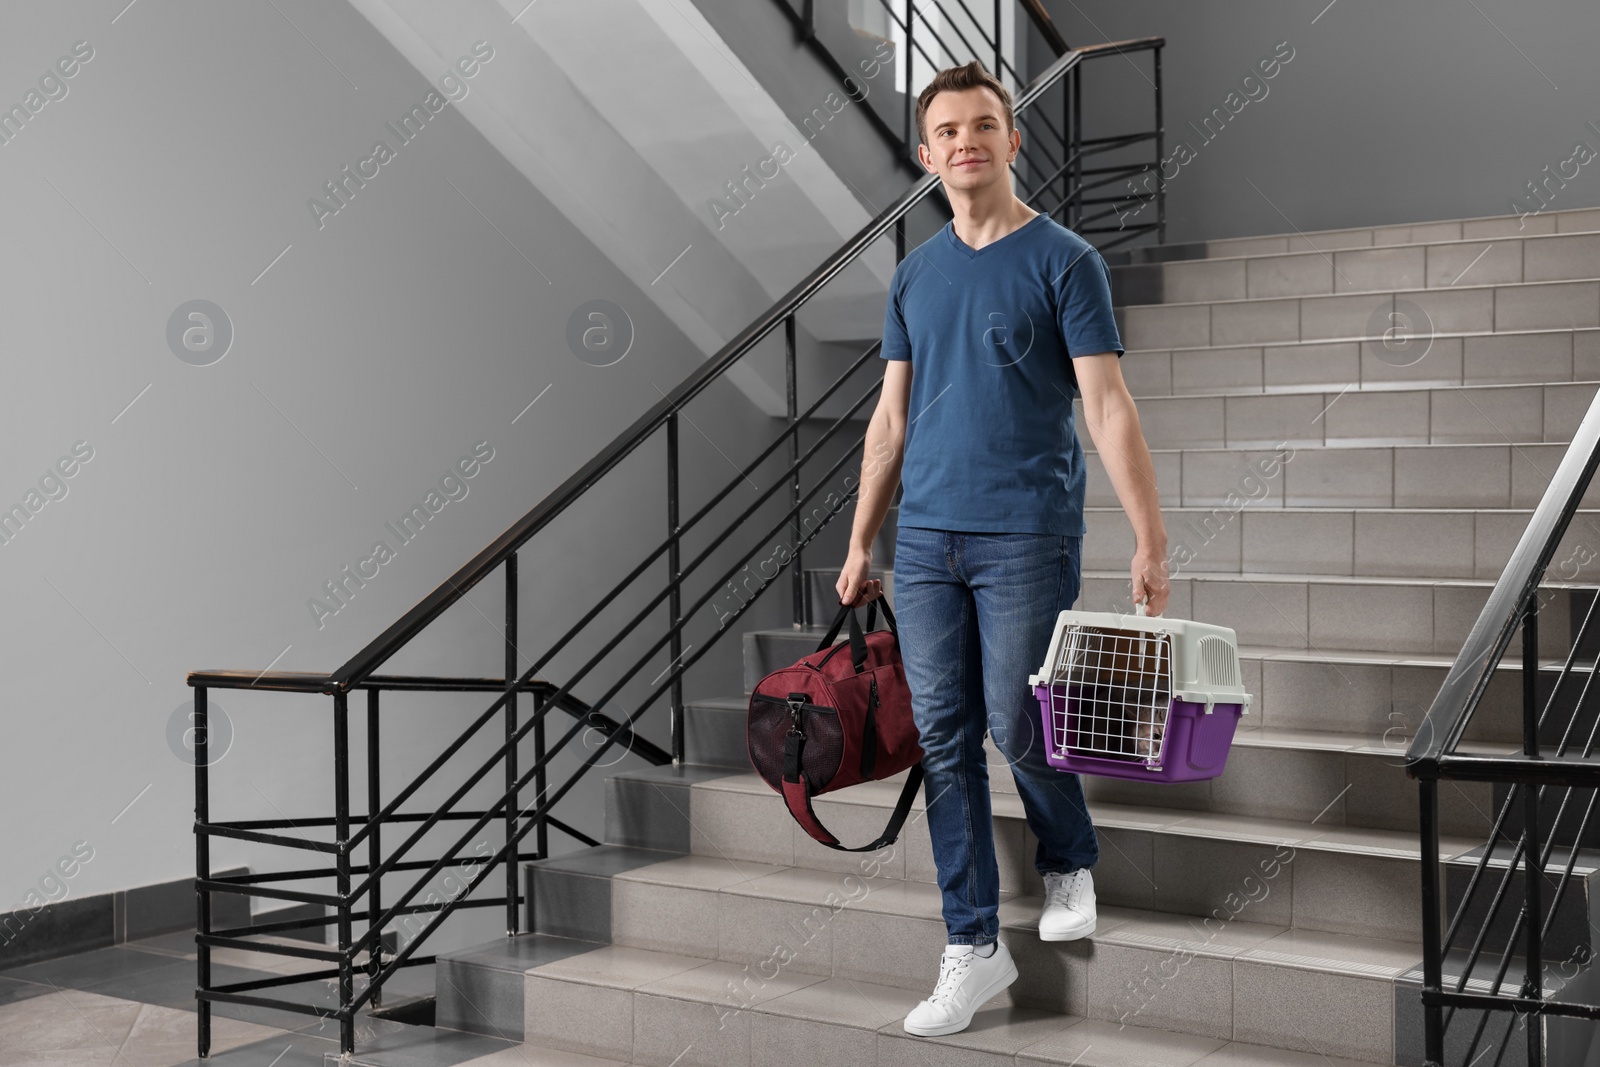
{"x":1113,"y":423}
{"x":880,"y":477}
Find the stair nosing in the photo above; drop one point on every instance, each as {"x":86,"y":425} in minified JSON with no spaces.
{"x":1556,"y":214}
{"x":1436,"y":335}
{"x":1028,"y":904}
{"x":1182,"y":822}
{"x":1363,"y":292}
{"x":1465,"y":241}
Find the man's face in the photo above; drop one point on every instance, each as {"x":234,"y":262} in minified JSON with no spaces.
{"x":968,"y":146}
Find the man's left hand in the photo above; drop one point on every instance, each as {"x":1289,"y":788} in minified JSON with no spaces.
{"x":1150,"y":584}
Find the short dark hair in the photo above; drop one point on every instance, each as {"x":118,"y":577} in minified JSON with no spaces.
{"x":972,"y":75}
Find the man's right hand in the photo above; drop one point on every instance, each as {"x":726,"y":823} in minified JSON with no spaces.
{"x":855,"y":587}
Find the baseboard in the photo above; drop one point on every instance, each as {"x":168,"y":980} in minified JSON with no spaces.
{"x":73,"y":925}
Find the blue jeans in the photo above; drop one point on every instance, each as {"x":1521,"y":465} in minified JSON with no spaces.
{"x":976,"y":612}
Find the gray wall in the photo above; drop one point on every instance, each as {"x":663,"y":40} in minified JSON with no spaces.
{"x":368,"y":357}
{"x":766,"y":41}
{"x":1388,"y":112}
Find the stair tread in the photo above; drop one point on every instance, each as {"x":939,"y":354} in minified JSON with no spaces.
{"x":737,"y":703}
{"x":1236,"y":938}
{"x":1292,"y":343}
{"x":1353,"y":446}
{"x":1296,"y":343}
{"x":1335,"y":741}
{"x":1263,"y":577}
{"x":1473,"y":242}
{"x":1380,"y":657}
{"x":1386,"y":291}
{"x":1322,"y":390}
{"x":1578,"y":214}
{"x":1371,"y":841}
{"x":1325,"y":509}
{"x":1031,"y":1034}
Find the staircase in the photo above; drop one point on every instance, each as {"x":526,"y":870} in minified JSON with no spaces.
{"x":1345,"y":503}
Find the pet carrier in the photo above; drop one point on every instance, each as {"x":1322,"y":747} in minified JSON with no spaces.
{"x":1137,"y":696}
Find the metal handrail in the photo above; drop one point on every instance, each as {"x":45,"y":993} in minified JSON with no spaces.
{"x":1432,"y":753}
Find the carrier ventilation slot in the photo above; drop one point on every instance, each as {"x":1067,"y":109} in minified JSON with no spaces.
{"x":1218,"y":664}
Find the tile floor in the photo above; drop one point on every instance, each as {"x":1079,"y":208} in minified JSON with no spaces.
{"x":133,"y":1006}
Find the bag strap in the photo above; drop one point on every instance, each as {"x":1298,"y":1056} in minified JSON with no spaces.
{"x":798,"y":799}
{"x":858,"y":640}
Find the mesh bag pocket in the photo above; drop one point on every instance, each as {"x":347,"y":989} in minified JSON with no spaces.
{"x":769,"y":725}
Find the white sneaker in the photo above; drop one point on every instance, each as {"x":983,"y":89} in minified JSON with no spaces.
{"x":1069,"y":911}
{"x":966,"y":980}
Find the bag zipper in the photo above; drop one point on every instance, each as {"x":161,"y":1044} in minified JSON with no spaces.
{"x":763,"y":697}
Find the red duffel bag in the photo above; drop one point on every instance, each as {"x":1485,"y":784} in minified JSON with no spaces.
{"x":840,"y":716}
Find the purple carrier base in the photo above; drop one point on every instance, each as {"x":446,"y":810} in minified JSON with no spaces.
{"x":1194,"y":745}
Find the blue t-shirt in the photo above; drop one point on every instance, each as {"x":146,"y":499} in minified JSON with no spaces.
{"x":990,"y":444}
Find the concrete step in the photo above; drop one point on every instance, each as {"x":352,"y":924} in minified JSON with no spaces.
{"x":1367,"y":542}
{"x":1280,"y":772}
{"x":1350,"y":879}
{"x":1458,"y":414}
{"x":1253,"y":976}
{"x":1502,"y":475}
{"x":1575,"y":220}
{"x":1127,"y":263}
{"x":1442,"y":359}
{"x":1245,"y":975}
{"x":713,"y":730}
{"x":1417,"y":312}
{"x":1285,"y":773}
{"x":1431,"y":264}
{"x":1329,"y":612}
{"x":661,"y":1007}
{"x":1566,"y":1041}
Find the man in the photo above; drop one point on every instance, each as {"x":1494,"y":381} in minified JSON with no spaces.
{"x":992,"y":324}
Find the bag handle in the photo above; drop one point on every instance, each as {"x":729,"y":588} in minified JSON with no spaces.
{"x":858,"y":640}
{"x":798,"y":799}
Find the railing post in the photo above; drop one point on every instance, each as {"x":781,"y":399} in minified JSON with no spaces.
{"x":674,"y":595}
{"x":802,"y":603}
{"x":910,"y":94}
{"x":808,"y":16}
{"x":999,"y":60}
{"x":1533,"y":979}
{"x":341,"y":818}
{"x":1077,"y":146}
{"x":1161,"y":137}
{"x":202,"y":866}
{"x":374,"y":844}
{"x":513,"y":809}
{"x":1432,"y":951}
{"x":541,"y":829}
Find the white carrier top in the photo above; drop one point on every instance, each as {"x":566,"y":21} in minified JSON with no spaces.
{"x":1204,"y":660}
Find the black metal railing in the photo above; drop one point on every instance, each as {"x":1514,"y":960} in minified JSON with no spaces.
{"x":1553,"y":776}
{"x":520,"y":802}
